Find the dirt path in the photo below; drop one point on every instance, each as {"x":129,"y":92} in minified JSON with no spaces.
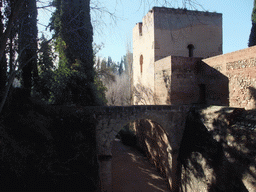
{"x":131,"y":172}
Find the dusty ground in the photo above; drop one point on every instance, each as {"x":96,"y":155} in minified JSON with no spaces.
{"x":131,"y":171}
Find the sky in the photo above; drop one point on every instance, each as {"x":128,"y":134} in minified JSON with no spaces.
{"x":113,"y":25}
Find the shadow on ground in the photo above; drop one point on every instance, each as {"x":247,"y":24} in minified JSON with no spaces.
{"x":131,"y":171}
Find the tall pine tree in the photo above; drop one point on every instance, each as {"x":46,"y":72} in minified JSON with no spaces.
{"x":28,"y":45}
{"x":74,"y":35}
{"x":252,"y":38}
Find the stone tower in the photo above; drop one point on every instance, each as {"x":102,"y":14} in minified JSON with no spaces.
{"x":166,"y":32}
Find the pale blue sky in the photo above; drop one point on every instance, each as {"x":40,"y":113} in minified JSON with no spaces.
{"x":116,"y":33}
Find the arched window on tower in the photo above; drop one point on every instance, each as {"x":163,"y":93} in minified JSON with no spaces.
{"x":190,"y":50}
{"x":141,"y":63}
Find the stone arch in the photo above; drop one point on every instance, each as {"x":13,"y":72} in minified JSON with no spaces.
{"x":115,"y":123}
{"x":108,"y":127}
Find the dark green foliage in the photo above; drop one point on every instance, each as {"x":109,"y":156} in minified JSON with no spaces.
{"x":46,"y":73}
{"x":16,"y":101}
{"x":121,"y":67}
{"x":254,"y":12}
{"x":46,"y":57}
{"x":110,"y":62}
{"x":66,"y":83}
{"x":73,"y":41}
{"x":66,"y":161}
{"x":28,"y":44}
{"x":101,"y":90}
{"x":252,"y":38}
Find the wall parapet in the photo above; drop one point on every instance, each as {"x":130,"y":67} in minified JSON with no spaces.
{"x":133,"y":108}
{"x":184,"y":11}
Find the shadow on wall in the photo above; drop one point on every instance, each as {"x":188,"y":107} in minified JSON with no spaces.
{"x":144,"y":95}
{"x":220,"y":159}
{"x":193,"y":81}
{"x":153,"y":141}
{"x":217,"y":84}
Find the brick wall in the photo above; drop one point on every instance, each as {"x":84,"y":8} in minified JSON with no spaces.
{"x":240,"y":69}
{"x":184,"y":88}
{"x":186,"y":80}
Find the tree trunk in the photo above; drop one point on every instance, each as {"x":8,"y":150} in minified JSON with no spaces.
{"x":28,"y":44}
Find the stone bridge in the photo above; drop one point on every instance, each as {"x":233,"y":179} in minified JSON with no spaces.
{"x":112,"y":119}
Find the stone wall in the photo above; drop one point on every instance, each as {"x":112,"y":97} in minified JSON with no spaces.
{"x":217,"y":152}
{"x":111,"y":120}
{"x":240,"y":69}
{"x":184,"y":87}
{"x":143,"y":53}
{"x":175,"y":80}
{"x":215,"y":82}
{"x":166,"y":31}
{"x":186,"y":80}
{"x":153,"y":140}
{"x":175,"y":29}
{"x":162,"y":79}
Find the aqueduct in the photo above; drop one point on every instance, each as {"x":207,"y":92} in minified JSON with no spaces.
{"x":112,"y":119}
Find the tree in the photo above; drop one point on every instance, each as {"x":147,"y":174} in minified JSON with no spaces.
{"x":11,"y":10}
{"x":120,"y":69}
{"x":110,"y":62}
{"x":252,"y":38}
{"x":71,"y":23}
{"x":103,"y":64}
{"x":46,"y":68}
{"x":46,"y":57}
{"x":15,"y":9}
{"x":118,"y":91}
{"x":128,"y":61}
{"x":28,"y":44}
